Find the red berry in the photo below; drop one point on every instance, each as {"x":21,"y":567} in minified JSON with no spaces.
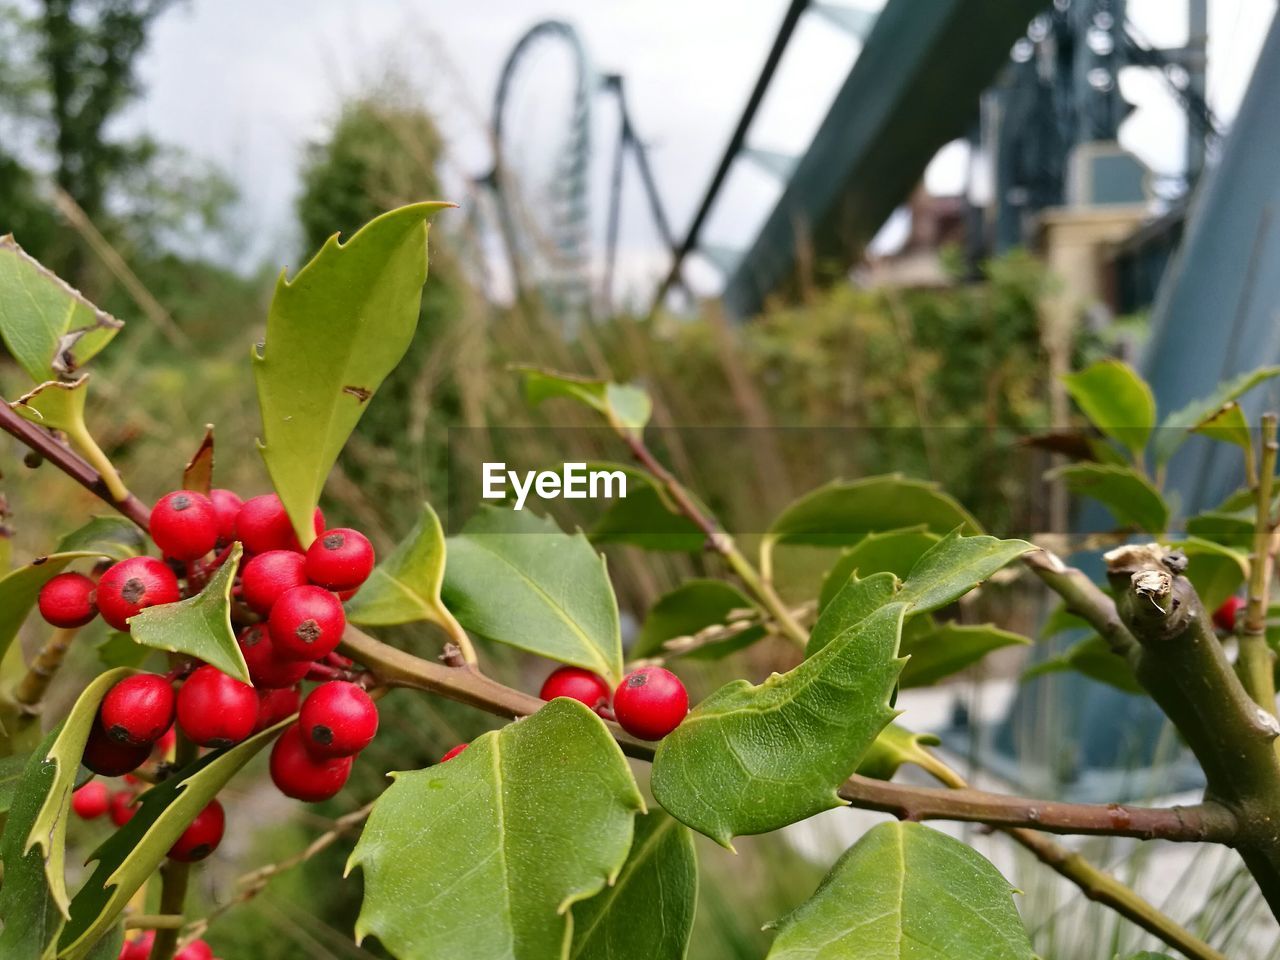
{"x":139,"y":949}
{"x":91,"y":801}
{"x":296,"y":773}
{"x":67,"y":600}
{"x":202,"y":835}
{"x":454,"y":752}
{"x":227,"y":506}
{"x":133,"y":585}
{"x":650,"y":703}
{"x":123,"y":806}
{"x":263,"y":525}
{"x":110,"y":758}
{"x":267,"y":668}
{"x":270,"y":574}
{"x":184,"y":525}
{"x":340,"y":559}
{"x":577,"y":684}
{"x":195,"y":950}
{"x":338,"y":719}
{"x":1224,"y":618}
{"x":215,"y":710}
{"x":306,"y":623}
{"x":138,"y":709}
{"x":275,"y":705}
{"x":168,"y":740}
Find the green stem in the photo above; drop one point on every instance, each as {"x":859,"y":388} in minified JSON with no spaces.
{"x":94,"y":456}
{"x":760,"y":589}
{"x":1256,"y":663}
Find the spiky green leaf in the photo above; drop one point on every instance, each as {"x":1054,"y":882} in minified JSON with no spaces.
{"x":334,"y":333}
{"x":499,"y":843}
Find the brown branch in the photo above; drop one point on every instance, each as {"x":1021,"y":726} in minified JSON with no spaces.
{"x":31,"y":688}
{"x":69,"y":462}
{"x":1203,"y":823}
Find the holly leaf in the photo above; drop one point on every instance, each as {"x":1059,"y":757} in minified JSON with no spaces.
{"x":199,"y":626}
{"x":334,"y":332}
{"x":894,"y":551}
{"x":11,"y":770}
{"x":646,"y":517}
{"x":1177,"y":426}
{"x":1130,"y":497}
{"x":499,"y":843}
{"x":843,"y":512}
{"x":1117,"y":401}
{"x":109,"y":537}
{"x":906,"y":892}
{"x":131,"y":855}
{"x":405,"y":586}
{"x":647,"y":914}
{"x":945,"y":572}
{"x":751,"y":759}
{"x":198,"y":475}
{"x":556,"y":600}
{"x":27,"y":906}
{"x":49,"y":328}
{"x":49,"y":830}
{"x":625,"y":407}
{"x":689,"y":609}
{"x":950,"y":648}
{"x":1216,"y":571}
{"x":118,"y":649}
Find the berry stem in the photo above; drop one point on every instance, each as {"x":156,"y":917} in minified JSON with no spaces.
{"x":1256,"y":663}
{"x":33,"y":685}
{"x":175,"y":874}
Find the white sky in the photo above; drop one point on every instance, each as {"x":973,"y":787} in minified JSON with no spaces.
{"x":246,"y":83}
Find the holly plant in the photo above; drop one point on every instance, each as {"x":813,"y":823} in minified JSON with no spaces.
{"x":568,"y":832}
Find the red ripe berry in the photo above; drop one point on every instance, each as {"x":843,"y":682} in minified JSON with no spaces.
{"x":202,"y":836}
{"x":138,"y":709}
{"x":577,"y":684}
{"x":123,"y":806}
{"x":133,"y":585}
{"x":338,"y":719}
{"x":650,"y":703}
{"x":275,"y":705}
{"x":267,"y":668}
{"x":340,"y":559}
{"x":297,"y":774}
{"x":453,"y":752}
{"x":270,"y":574}
{"x":110,"y":758}
{"x":227,"y":506}
{"x":195,"y":950}
{"x":168,"y":740}
{"x":139,"y":949}
{"x":184,"y":525}
{"x":306,"y":623}
{"x":263,"y":525}
{"x":215,"y":710}
{"x":1224,"y":618}
{"x":91,"y":801}
{"x":67,"y":600}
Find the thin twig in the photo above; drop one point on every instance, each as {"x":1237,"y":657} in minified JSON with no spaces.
{"x":249,"y":885}
{"x":33,"y":685}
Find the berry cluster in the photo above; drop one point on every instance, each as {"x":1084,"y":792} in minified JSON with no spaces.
{"x":290,"y":611}
{"x":649,"y":703}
